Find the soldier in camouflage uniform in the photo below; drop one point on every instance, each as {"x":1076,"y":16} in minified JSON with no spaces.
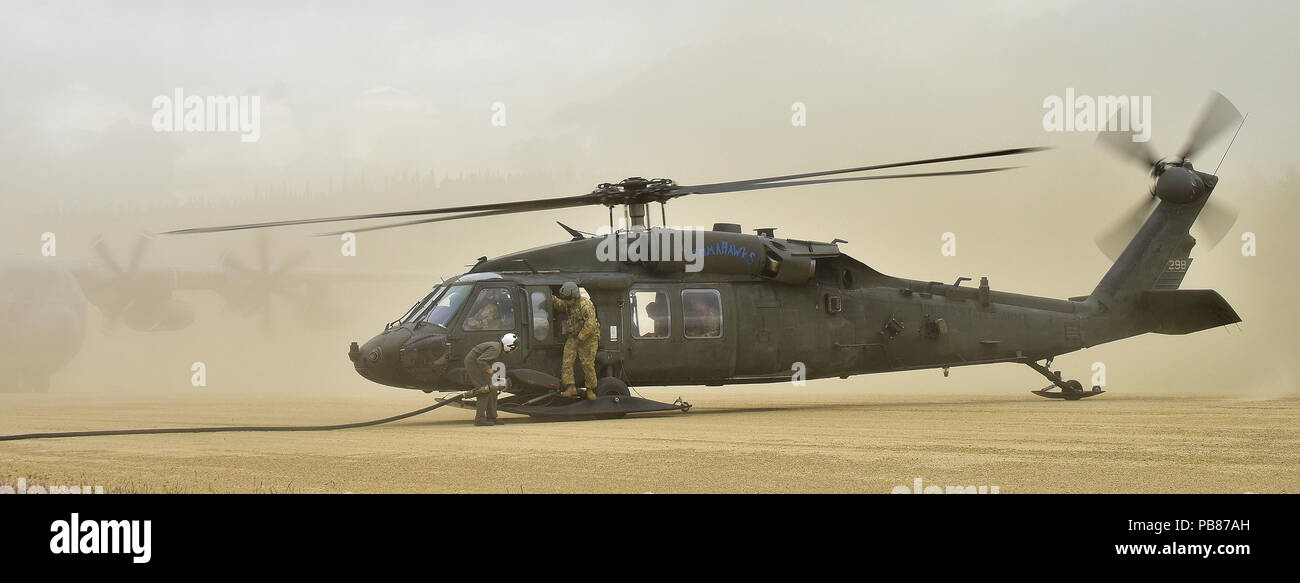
{"x":478,"y":366}
{"x":581,"y":338}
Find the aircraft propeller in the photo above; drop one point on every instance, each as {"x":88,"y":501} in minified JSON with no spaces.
{"x":1216,"y":218}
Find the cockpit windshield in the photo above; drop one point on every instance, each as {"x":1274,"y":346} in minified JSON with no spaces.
{"x":415,"y":310}
{"x":445,"y":309}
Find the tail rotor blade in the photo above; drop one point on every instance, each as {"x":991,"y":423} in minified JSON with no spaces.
{"x":1214,"y":222}
{"x":1123,"y":143}
{"x":1218,"y":116}
{"x":1113,"y":240}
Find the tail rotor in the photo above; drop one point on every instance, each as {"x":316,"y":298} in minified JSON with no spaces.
{"x":1172,"y":181}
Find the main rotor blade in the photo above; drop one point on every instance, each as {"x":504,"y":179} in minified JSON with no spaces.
{"x":760,"y":186}
{"x":731,"y":186}
{"x":1218,"y":116}
{"x":423,"y":221}
{"x":1113,"y":240}
{"x":594,"y":198}
{"x":749,"y":187}
{"x":515,"y":206}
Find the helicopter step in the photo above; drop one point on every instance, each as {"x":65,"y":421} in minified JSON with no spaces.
{"x":538,"y":395}
{"x":1070,"y":390}
{"x":1070,"y":395}
{"x":609,"y":406}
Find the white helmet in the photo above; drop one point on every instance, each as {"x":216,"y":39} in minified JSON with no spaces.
{"x":509,"y":341}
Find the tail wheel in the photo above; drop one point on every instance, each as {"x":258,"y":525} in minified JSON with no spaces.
{"x":612,"y":387}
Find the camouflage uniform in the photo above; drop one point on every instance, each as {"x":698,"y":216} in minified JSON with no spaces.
{"x":478,"y":366}
{"x":582,"y":338}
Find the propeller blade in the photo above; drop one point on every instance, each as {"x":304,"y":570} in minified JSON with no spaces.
{"x":1121,"y":142}
{"x":1214,"y":222}
{"x":1218,"y":116}
{"x":137,"y":253}
{"x":731,"y":186}
{"x":1113,"y":240}
{"x":106,"y":256}
{"x":293,"y":295}
{"x":289,"y":264}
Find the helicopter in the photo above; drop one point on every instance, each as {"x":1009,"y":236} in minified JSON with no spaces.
{"x":723,"y":307}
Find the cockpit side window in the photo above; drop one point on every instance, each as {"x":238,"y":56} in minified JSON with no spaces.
{"x":492,"y":310}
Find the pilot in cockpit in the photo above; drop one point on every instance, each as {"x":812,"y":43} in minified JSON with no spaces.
{"x":487,"y":311}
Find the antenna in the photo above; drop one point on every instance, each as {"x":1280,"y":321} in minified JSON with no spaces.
{"x":1234,"y":140}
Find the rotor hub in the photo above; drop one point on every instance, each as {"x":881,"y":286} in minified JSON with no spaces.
{"x":635,"y":190}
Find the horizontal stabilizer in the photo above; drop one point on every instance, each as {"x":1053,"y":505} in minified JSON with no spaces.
{"x":1185,"y":311}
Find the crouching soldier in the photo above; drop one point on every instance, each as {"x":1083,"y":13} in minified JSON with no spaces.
{"x":478,"y":365}
{"x":581,"y":338}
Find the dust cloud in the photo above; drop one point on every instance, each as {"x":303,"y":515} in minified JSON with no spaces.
{"x":373,"y":109}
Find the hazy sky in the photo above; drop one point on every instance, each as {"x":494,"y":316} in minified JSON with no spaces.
{"x":697,"y":90}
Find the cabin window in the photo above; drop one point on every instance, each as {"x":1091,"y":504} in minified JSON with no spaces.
{"x":492,"y":310}
{"x":650,"y":315}
{"x":701,"y":313}
{"x":541,"y":321}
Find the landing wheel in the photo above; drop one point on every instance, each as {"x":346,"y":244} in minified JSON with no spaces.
{"x":612,"y":387}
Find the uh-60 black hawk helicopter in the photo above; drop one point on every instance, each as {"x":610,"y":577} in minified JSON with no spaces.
{"x":761,"y":309}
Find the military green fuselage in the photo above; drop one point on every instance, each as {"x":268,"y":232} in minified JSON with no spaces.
{"x":789,"y":308}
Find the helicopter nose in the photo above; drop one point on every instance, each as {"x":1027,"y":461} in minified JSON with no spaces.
{"x":377,"y":359}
